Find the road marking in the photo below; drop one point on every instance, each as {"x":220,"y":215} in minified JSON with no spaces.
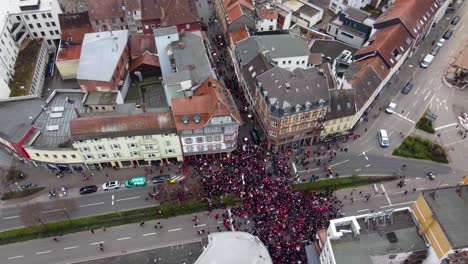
{"x":219,"y":222}
{"x":95,"y":243}
{"x":420,"y":189}
{"x":43,"y":252}
{"x":15,"y":257}
{"x":386,"y":195}
{"x":112,"y":199}
{"x":398,"y":204}
{"x":363,"y":210}
{"x":67,"y":248}
{"x":449,"y":125}
{"x":336,"y":164}
{"x":10,"y":217}
{"x":417,"y":178}
{"x":405,"y":118}
{"x":51,"y":211}
{"x":123,"y":238}
{"x":200,"y":225}
{"x":367,"y":166}
{"x":358,"y":170}
{"x":415,"y":102}
{"x":129,"y":198}
{"x":455,"y":142}
{"x":445,"y":184}
{"x":397,"y":192}
{"x":314,"y":169}
{"x":149,"y":234}
{"x":172,"y":230}
{"x":460,"y":30}
{"x":367,"y":150}
{"x":86,"y":205}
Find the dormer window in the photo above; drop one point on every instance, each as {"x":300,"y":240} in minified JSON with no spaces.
{"x":196,"y":118}
{"x":185,"y":119}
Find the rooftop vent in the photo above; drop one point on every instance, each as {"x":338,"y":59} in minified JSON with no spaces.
{"x":185,"y":119}
{"x":58,"y":109}
{"x":196,"y":118}
{"x":52,"y":128}
{"x":392,"y":237}
{"x":288,"y":86}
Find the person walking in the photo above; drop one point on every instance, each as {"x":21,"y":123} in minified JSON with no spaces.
{"x":92,"y":231}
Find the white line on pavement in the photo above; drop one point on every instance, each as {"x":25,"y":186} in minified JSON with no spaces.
{"x":67,"y":248}
{"x":219,"y":222}
{"x":123,"y":238}
{"x":442,"y":127}
{"x":398,"y":192}
{"x":200,"y":225}
{"x":86,"y":205}
{"x":460,"y":30}
{"x":367,"y":166}
{"x":172,"y":230}
{"x":314,"y":169}
{"x":458,"y":141}
{"x":43,"y":252}
{"x":417,"y":178}
{"x":10,"y":217}
{"x":336,"y":164}
{"x":51,"y":211}
{"x":15,"y":257}
{"x":112,"y":199}
{"x":149,"y":234}
{"x":363,"y":210}
{"x":404,"y":117}
{"x":398,"y":204}
{"x":95,"y":243}
{"x":445,"y":184}
{"x":420,"y":189}
{"x":129,"y":198}
{"x":358,"y":170}
{"x":386,"y":195}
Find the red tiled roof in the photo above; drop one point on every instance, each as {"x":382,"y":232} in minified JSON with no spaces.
{"x":74,"y":26}
{"x":239,"y":34}
{"x":235,"y":13}
{"x":377,"y":65}
{"x":69,"y":53}
{"x":268,"y":13}
{"x":139,"y":43}
{"x":170,"y":12}
{"x":104,"y":9}
{"x":210,"y":99}
{"x":101,"y":125}
{"x":146,"y":58}
{"x":230,"y":4}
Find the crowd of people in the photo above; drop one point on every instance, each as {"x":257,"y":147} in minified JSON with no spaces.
{"x":284,"y":220}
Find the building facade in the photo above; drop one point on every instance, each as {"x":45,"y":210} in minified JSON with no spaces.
{"x":299,"y":12}
{"x":338,"y":5}
{"x":352,"y":26}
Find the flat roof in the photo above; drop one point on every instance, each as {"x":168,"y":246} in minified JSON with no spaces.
{"x":450,"y":208}
{"x":71,"y":52}
{"x":100,"y":54}
{"x":372,"y":244}
{"x":54,"y":123}
{"x":17,"y":115}
{"x":100,"y":98}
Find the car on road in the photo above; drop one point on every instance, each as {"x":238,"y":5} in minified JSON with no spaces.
{"x":441,"y":42}
{"x":427,"y":61}
{"x":136,"y":182}
{"x":160,"y":179}
{"x":407,"y":88}
{"x":435,"y":50}
{"x":383,"y":138}
{"x":255,"y":136}
{"x":88,"y":189}
{"x":455,"y":20}
{"x":112,"y":185}
{"x":447,"y":34}
{"x":390,"y":108}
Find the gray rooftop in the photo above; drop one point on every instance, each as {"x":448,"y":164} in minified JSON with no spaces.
{"x":342,"y":104}
{"x":247,"y":50}
{"x":365,"y":86}
{"x":100,"y":54}
{"x":101,"y":98}
{"x":53,"y":124}
{"x":372,"y":245}
{"x":17,"y":115}
{"x":307,"y":89}
{"x":356,"y":14}
{"x":255,"y":67}
{"x":308,"y":10}
{"x":163,"y":31}
{"x":450,"y":208}
{"x":330,"y":48}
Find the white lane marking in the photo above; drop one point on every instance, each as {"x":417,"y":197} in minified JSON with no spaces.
{"x":455,"y":142}
{"x":368,"y":165}
{"x":15,"y":257}
{"x":10,"y":217}
{"x":123,"y":238}
{"x":314,"y":169}
{"x":67,"y":248}
{"x":445,"y":184}
{"x":397,"y":192}
{"x":363,"y":210}
{"x":172,"y":230}
{"x":86,"y":205}
{"x":149,"y":234}
{"x":417,"y":178}
{"x":367,"y":150}
{"x":51,"y":211}
{"x":200,"y":225}
{"x":358,"y":170}
{"x":43,"y":252}
{"x":129,"y":198}
{"x":460,"y":30}
{"x":405,"y":118}
{"x":336,"y":164}
{"x":449,"y":125}
{"x":398,"y":204}
{"x":219,"y":222}
{"x":415,"y":102}
{"x":95,"y":243}
{"x":112,"y":199}
{"x":386,"y":195}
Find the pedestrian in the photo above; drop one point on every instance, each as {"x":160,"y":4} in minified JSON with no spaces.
{"x":104,"y":229}
{"x":107,"y":175}
{"x":414,"y":189}
{"x":406,"y":192}
{"x":92,"y":231}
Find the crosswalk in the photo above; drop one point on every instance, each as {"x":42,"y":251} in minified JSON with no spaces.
{"x":177,"y":178}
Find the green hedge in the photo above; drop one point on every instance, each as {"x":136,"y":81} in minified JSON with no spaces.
{"x":341,"y":183}
{"x":419,"y":148}
{"x":108,"y":220}
{"x":425,"y":124}
{"x":20,"y":194}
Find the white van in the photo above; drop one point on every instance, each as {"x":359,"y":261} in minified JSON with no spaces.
{"x":383,"y":138}
{"x":427,"y":61}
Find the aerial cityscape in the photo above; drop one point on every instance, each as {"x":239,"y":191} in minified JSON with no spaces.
{"x":233,"y":131}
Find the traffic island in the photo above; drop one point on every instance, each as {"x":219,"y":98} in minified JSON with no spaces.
{"x":420,"y":148}
{"x":21,"y":194}
{"x":341,"y":183}
{"x":425,"y":123}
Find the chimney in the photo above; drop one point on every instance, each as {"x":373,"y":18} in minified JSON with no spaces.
{"x":77,"y":113}
{"x":209,"y":84}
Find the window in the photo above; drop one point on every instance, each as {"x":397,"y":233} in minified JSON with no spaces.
{"x":209,"y":138}
{"x":42,"y":33}
{"x":51,"y":32}
{"x":148,"y":137}
{"x":347,"y":35}
{"x":149,"y":146}
{"x":44,"y":15}
{"x":116,"y":155}
{"x":55,"y":156}
{"x":132,"y":145}
{"x":49,"y":15}
{"x":39,"y":25}
{"x":37,"y":155}
{"x":64,"y":156}
{"x":31,"y":25}
{"x":46,"y":155}
{"x":274,"y":124}
{"x":103,"y":155}
{"x":89,"y":156}
{"x":100,"y":147}
{"x":217,"y":138}
{"x":53,"y":23}
{"x":73,"y":156}
{"x":34,"y":16}
{"x":26,"y":16}
{"x":289,"y":62}
{"x":47,"y":24}
{"x":188,"y":141}
{"x":187,"y":26}
{"x":199,"y":139}
{"x":35,"y":34}
{"x":395,"y":53}
{"x":283,"y":131}
{"x":121,"y":20}
{"x":295,"y":119}
{"x":56,"y":32}
{"x":285,"y":122}
{"x":297,"y":62}
{"x":115,"y":146}
{"x":272,"y":133}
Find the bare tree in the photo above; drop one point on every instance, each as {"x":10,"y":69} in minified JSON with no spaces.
{"x":68,"y":206}
{"x":31,"y":214}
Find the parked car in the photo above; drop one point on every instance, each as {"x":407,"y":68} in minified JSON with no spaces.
{"x":383,"y":138}
{"x":255,"y":136}
{"x":390,"y":108}
{"x":136,"y":182}
{"x":112,"y":185}
{"x":447,"y":34}
{"x":160,"y":179}
{"x":88,"y":189}
{"x":407,"y":88}
{"x":427,"y":61}
{"x":435,"y":50}
{"x":441,"y":42}
{"x":455,"y":20}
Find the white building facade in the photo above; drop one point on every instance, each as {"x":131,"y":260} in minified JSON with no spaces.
{"x":337,"y":5}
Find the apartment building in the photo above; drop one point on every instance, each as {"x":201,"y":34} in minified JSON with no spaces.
{"x":106,"y":15}
{"x":339,"y":5}
{"x":166,"y":13}
{"x":207,"y":119}
{"x":351,"y":26}
{"x":299,"y":12}
{"x":267,"y":20}
{"x":229,"y":9}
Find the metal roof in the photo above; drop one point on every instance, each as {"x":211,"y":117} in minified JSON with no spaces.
{"x":17,"y":115}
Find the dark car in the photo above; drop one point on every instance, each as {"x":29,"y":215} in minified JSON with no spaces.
{"x":160,"y":179}
{"x":447,"y":34}
{"x":455,"y":20}
{"x":255,"y":136}
{"x":407,"y":88}
{"x":435,"y":50}
{"x":88,"y":189}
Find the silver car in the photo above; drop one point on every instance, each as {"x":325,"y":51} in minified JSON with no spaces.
{"x":112,"y":185}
